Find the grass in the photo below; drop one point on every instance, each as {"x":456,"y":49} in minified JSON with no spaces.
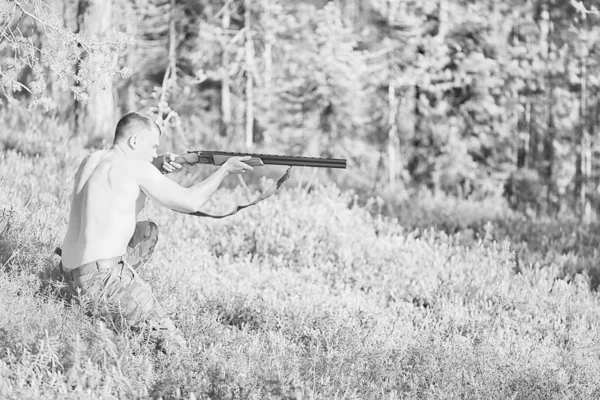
{"x":308,"y":295}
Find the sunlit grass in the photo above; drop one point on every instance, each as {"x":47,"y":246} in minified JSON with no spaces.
{"x":307,"y":295}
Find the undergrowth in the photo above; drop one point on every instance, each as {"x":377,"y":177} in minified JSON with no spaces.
{"x":564,"y":242}
{"x":306,"y":295}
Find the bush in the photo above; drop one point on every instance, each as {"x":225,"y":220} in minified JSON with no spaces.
{"x":306,"y":295}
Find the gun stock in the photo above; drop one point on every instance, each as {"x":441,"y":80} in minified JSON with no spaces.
{"x":220,"y":157}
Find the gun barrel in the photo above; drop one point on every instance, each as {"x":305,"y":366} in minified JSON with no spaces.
{"x":271,"y":159}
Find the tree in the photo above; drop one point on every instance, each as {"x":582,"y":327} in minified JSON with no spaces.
{"x":96,"y":115}
{"x":250,"y":71}
{"x":46,"y":53}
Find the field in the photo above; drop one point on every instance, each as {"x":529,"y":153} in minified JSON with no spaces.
{"x":312,"y":294}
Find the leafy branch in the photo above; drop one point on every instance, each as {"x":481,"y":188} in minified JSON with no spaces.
{"x":75,"y":60}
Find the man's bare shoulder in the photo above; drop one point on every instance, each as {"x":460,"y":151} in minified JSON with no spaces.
{"x":137,"y":166}
{"x":89,"y":162}
{"x":118,"y":163}
{"x":134,"y":170}
{"x":95,"y":156}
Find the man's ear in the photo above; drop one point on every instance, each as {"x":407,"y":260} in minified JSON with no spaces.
{"x":132,"y":141}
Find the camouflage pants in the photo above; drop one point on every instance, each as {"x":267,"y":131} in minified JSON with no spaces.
{"x":123,"y":292}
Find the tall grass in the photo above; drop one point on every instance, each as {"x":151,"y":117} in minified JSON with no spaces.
{"x":307,"y":295}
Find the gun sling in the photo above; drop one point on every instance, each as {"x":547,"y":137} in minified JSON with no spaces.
{"x":267,"y":193}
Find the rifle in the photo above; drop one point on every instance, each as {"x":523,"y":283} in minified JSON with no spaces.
{"x":256,"y":160}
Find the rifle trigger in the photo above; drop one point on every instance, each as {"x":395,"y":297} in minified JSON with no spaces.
{"x":206,"y":160}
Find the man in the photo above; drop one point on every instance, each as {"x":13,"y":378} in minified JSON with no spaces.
{"x":103,"y":241}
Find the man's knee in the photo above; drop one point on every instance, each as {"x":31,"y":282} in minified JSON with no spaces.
{"x":142,"y":243}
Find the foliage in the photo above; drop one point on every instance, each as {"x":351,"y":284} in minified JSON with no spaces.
{"x":321,"y":292}
{"x":307,"y":295}
{"x":486,"y":91}
{"x":562,"y":243}
{"x":33,"y":42}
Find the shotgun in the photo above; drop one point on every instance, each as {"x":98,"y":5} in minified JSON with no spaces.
{"x":258,"y":160}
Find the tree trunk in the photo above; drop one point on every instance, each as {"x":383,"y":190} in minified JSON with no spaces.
{"x":172,"y":48}
{"x":417,"y":138}
{"x":225,"y":81}
{"x":587,"y":207}
{"x":521,"y":101}
{"x":270,"y":39}
{"x":392,"y":108}
{"x":249,"y":78}
{"x":170,"y":77}
{"x":359,"y":11}
{"x":582,"y":163}
{"x":534,"y":153}
{"x":65,"y":103}
{"x":97,"y":117}
{"x":532,"y":138}
{"x":523,"y":133}
{"x":392,"y":134}
{"x":594,"y":153}
{"x":443,"y":18}
{"x":549,"y":142}
{"x":165,"y":111}
{"x":551,"y":134}
{"x":131,"y":29}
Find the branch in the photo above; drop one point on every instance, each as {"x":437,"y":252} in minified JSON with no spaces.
{"x":2,"y":35}
{"x":377,"y":53}
{"x":44,"y":24}
{"x":21,"y":85}
{"x":578,"y":5}
{"x":222,"y":10}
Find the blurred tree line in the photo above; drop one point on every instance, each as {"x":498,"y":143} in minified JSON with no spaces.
{"x":472,"y":98}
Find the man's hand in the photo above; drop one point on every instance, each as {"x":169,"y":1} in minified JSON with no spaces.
{"x":166,"y":163}
{"x":236,"y":165}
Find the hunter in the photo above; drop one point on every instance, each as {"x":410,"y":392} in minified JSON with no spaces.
{"x":104,"y":245}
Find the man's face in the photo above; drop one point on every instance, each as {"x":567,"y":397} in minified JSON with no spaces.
{"x":147,"y":144}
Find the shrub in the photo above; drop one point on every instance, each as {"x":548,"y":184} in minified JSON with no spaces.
{"x":307,"y":295}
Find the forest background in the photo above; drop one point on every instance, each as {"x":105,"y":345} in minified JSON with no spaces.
{"x":463,"y":122}
{"x":473,"y":99}
{"x":452,"y":113}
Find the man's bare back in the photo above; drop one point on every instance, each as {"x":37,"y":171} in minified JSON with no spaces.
{"x":111,"y":187}
{"x":105,"y":203}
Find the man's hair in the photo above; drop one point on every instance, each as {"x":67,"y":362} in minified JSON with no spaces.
{"x":134,"y":123}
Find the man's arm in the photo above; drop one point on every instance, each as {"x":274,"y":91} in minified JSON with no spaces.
{"x":176,"y":197}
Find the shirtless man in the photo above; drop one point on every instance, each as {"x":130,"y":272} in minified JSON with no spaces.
{"x":110,"y":189}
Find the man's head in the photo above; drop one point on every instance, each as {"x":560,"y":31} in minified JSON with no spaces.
{"x":139,"y":134}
